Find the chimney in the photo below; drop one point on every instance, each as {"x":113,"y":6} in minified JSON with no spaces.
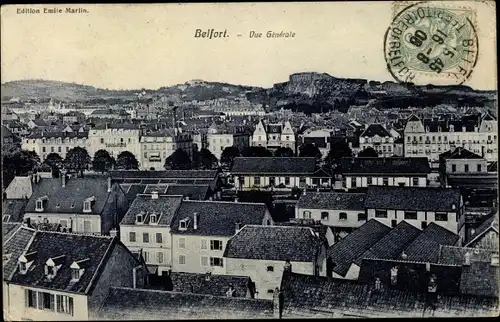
{"x":237,"y":226}
{"x":154,"y":195}
{"x":277,"y":303}
{"x":109,"y":184}
{"x":236,"y":199}
{"x":467,"y":259}
{"x":113,"y":232}
{"x":196,"y":218}
{"x":288,"y":266}
{"x":208,"y":275}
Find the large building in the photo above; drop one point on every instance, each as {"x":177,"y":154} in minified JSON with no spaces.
{"x":320,"y":138}
{"x":115,"y":138}
{"x":157,"y":146}
{"x":375,"y":136}
{"x":430,"y":138}
{"x":60,"y":142}
{"x":274,"y":136}
{"x":221,"y":136}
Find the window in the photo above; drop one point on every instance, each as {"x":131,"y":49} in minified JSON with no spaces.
{"x":361,"y":216}
{"x":287,"y":181}
{"x":204,"y":261}
{"x":324,"y":215}
{"x":51,"y":149}
{"x":131,"y":237}
{"x":216,"y":261}
{"x":478,"y":168}
{"x":159,"y":238}
{"x":67,"y":149}
{"x":270,"y":269}
{"x":145,"y":237}
{"x":43,"y":149}
{"x":306,"y":214}
{"x":30,"y":298}
{"x":50,"y":270}
{"x":146,"y":257}
{"x":270,"y":291}
{"x":353,"y":182}
{"x":159,"y":257}
{"x":87,"y":226}
{"x":204,"y":244}
{"x":182,"y":242}
{"x":415,"y":182}
{"x":102,"y":140}
{"x":385,"y":181}
{"x":453,"y":168}
{"x":466,"y":168}
{"x":47,"y":301}
{"x":411,"y":215}
{"x":380,"y":213}
{"x":369,"y":180}
{"x":441,"y":216}
{"x":75,"y":274}
{"x":86,"y":206}
{"x":64,"y":304}
{"x":342,"y":216}
{"x":394,"y":223}
{"x":424,"y":224}
{"x":216,"y":245}
{"x":256,"y":180}
{"x":39,"y":205}
{"x":272,"y":181}
{"x":183,"y":224}
{"x":182,"y":259}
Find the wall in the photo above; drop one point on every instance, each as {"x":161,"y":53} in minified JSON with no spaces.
{"x":362,"y":181}
{"x":60,"y":145}
{"x":19,"y":310}
{"x":78,"y":220}
{"x":152,"y":247}
{"x":257,"y":270}
{"x":460,"y":165}
{"x":115,"y":141}
{"x":117,"y":272}
{"x":333,"y":217}
{"x":193,"y":254}
{"x":249,"y":181}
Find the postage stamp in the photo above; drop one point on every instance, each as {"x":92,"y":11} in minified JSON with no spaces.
{"x":431,"y":43}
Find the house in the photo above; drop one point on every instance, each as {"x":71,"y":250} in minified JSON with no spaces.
{"x":418,"y":206}
{"x":90,"y":205}
{"x":124,"y":303}
{"x":305,"y":296}
{"x":469,"y":172}
{"x":274,"y":135}
{"x":74,"y":117}
{"x":320,"y":138}
{"x":194,"y":192}
{"x":264,"y":252}
{"x":336,"y":209}
{"x":208,"y":284}
{"x":432,"y":137}
{"x":486,"y":235}
{"x":395,"y":171}
{"x":324,"y":232}
{"x":19,"y":188}
{"x":157,"y":146}
{"x":201,"y":230}
{"x":145,"y":228}
{"x":221,"y":136}
{"x":61,"y":276}
{"x":375,"y":136}
{"x":115,"y":138}
{"x":276,"y":173}
{"x":60,"y":142}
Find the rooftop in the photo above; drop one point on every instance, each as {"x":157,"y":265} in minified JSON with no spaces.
{"x":186,"y":174}
{"x":216,"y":285}
{"x":164,"y":207}
{"x":19,"y":188}
{"x":16,"y":239}
{"x":273,"y":165}
{"x":375,"y":129}
{"x":332,"y":200}
{"x":281,"y":243}
{"x":460,"y":153}
{"x":13,"y":210}
{"x":395,"y":166}
{"x":425,"y":248}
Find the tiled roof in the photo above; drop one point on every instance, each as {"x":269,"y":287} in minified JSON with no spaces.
{"x":273,"y":165}
{"x":393,"y":243}
{"x":425,"y":248}
{"x":191,"y":174}
{"x":218,"y":218}
{"x":351,"y":247}
{"x":19,"y":188}
{"x":14,"y":246}
{"x":13,"y":210}
{"x":9,"y":228}
{"x":194,"y":192}
{"x":58,"y":134}
{"x":397,"y":166}
{"x":375,"y":129}
{"x":164,"y":207}
{"x":280,"y":243}
{"x":140,"y":304}
{"x":459,"y":153}
{"x":332,"y":201}
{"x":322,"y":297}
{"x":74,"y":247}
{"x":319,"y":228}
{"x":70,"y":198}
{"x":216,"y":285}
{"x":413,"y":198}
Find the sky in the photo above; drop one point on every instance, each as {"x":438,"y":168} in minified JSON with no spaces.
{"x":153,"y":45}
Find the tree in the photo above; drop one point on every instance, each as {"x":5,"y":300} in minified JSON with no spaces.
{"x":309,"y":150}
{"x":77,"y":159}
{"x":369,"y":152}
{"x":179,"y":160}
{"x":228,"y":155}
{"x":338,"y":150}
{"x":18,"y":163}
{"x":282,"y":152}
{"x":256,"y":151}
{"x":103,"y":161}
{"x":126,"y":160}
{"x":54,"y":160}
{"x":204,"y":160}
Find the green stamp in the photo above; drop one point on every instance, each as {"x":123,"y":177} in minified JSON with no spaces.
{"x":430,"y":43}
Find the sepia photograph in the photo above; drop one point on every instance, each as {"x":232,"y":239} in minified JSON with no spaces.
{"x":291,"y":160}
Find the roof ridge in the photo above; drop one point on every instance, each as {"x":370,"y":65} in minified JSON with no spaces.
{"x":75,"y":233}
{"x":472,"y":248}
{"x":226,"y":202}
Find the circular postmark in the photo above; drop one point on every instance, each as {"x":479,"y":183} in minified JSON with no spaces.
{"x":431,"y":43}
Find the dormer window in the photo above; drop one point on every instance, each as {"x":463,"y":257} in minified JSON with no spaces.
{"x":87,"y":204}
{"x":183,"y":224}
{"x":78,"y":268}
{"x":139,"y":218}
{"x":25,"y":262}
{"x":39,"y":203}
{"x":75,"y":274}
{"x":153,"y":219}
